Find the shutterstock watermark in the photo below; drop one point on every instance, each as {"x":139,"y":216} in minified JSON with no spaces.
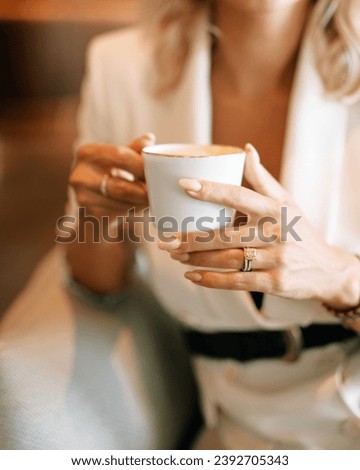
{"x":85,"y":228}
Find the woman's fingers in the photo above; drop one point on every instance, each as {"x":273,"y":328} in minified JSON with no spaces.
{"x":87,"y":177}
{"x":239,"y":237}
{"x":262,"y":200}
{"x":260,"y":179}
{"x":109,"y":180}
{"x":226,"y":259}
{"x":240,"y":198}
{"x":122,"y":190}
{"x":110,"y":156}
{"x":143,"y":141}
{"x":88,"y":198}
{"x":236,"y":280}
{"x":126,"y":159}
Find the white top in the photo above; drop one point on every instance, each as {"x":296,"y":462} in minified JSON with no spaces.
{"x":321,"y":169}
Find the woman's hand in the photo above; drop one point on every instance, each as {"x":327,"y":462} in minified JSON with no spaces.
{"x":292,"y":260}
{"x":123,"y":170}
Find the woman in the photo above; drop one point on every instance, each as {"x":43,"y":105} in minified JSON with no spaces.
{"x":285,"y":75}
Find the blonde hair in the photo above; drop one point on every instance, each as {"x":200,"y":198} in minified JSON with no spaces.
{"x":336,"y":37}
{"x":172,"y":24}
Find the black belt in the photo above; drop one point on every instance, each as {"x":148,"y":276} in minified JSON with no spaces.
{"x":250,"y":345}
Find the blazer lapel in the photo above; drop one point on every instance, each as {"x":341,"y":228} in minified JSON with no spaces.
{"x":312,"y":167}
{"x":314,"y":146}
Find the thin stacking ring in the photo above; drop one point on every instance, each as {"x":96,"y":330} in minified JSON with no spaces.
{"x":104,"y":184}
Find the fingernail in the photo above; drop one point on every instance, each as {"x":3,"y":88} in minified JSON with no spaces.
{"x":250,"y":148}
{"x":193,"y":276}
{"x":190,"y":185}
{"x":171,"y":245}
{"x":181,"y":257}
{"x":149,"y":137}
{"x":125,"y":175}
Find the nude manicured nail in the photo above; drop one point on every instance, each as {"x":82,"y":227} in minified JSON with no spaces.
{"x":149,"y":136}
{"x":190,"y":185}
{"x":125,"y":175}
{"x":192,"y":276}
{"x":171,"y":245}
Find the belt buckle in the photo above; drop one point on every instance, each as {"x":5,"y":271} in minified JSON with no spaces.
{"x":294,"y":343}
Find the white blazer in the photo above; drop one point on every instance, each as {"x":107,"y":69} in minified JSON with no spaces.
{"x":321,"y":164}
{"x":321,"y":169}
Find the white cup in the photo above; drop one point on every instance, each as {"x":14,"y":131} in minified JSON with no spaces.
{"x":173,"y":209}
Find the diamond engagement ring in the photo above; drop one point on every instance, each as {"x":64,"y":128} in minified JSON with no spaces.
{"x":249,"y":256}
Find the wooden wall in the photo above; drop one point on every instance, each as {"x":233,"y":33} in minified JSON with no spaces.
{"x":42,"y":42}
{"x":125,"y":11}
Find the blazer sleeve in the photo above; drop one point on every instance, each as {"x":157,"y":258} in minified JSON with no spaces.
{"x":93,"y":120}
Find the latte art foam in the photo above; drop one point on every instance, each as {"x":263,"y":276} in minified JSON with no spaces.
{"x":191,"y":150}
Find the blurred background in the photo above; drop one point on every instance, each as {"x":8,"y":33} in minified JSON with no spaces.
{"x":42,"y":49}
